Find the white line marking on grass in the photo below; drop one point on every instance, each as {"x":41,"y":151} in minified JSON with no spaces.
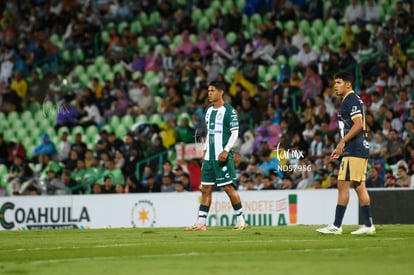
{"x":375,"y":238}
{"x":106,"y":258}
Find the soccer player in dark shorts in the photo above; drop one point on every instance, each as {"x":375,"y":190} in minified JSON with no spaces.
{"x":353,"y":148}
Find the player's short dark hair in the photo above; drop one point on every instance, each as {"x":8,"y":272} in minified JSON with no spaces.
{"x":219,"y":85}
{"x":345,"y":76}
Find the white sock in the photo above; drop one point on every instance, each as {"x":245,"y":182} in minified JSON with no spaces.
{"x":202,"y":217}
{"x":239,"y":215}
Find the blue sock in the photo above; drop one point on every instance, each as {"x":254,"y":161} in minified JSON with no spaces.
{"x":339,"y":215}
{"x":366,"y":214}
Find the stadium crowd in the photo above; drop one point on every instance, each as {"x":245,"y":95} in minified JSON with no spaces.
{"x":279,"y":75}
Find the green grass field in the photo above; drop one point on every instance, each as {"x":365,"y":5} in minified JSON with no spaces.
{"x":219,"y":250}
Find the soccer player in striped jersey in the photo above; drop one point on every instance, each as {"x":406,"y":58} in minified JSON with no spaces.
{"x":354,"y":150}
{"x":218,"y":165}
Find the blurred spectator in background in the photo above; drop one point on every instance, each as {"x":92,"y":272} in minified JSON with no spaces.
{"x":63,"y":147}
{"x":374,"y":180}
{"x":404,"y":179}
{"x":353,"y":12}
{"x":45,"y":147}
{"x":10,"y":100}
{"x":67,"y":115}
{"x":306,"y":56}
{"x":118,"y":107}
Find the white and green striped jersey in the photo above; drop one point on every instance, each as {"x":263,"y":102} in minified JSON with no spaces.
{"x":220,"y":122}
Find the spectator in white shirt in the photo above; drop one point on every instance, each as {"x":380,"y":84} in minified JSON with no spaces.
{"x":144,"y":104}
{"x":63,"y":147}
{"x":353,"y":12}
{"x":135,"y":91}
{"x":92,"y":116}
{"x":307,"y":56}
{"x":372,"y":12}
{"x":6,"y":70}
{"x":264,"y":54}
{"x":297,"y":38}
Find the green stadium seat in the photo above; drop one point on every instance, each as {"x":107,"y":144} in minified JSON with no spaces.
{"x":4,"y":123}
{"x":92,"y":70}
{"x":92,"y":133}
{"x":67,"y":56}
{"x":332,"y":25}
{"x":121,"y":26}
{"x":136,"y":75}
{"x":227,"y":6}
{"x":44,"y":123}
{"x":104,"y":68}
{"x":215,"y":4}
{"x":114,"y":121}
{"x":193,"y":38}
{"x":29,"y":144}
{"x":12,"y":117}
{"x":105,"y":36}
{"x":317,"y":26}
{"x":274,"y":70}
{"x":183,"y":115}
{"x":56,"y":140}
{"x":21,"y":135}
{"x":24,"y":116}
{"x":120,"y":131}
{"x":111,"y":25}
{"x":143,"y":18}
{"x":3,"y":174}
{"x":110,"y":76}
{"x":231,"y":37}
{"x":281,"y":59}
{"x":8,"y":134}
{"x":196,"y":14}
{"x":240,"y":4}
{"x":141,"y":118}
{"x":135,"y":27}
{"x":61,"y":130}
{"x":268,"y":77}
{"x":78,"y":55}
{"x":84,"y":79}
{"x":100,"y":60}
{"x":155,"y":18}
{"x":152,"y":40}
{"x":203,"y":23}
{"x":118,"y":68}
{"x":54,"y":39}
{"x":304,"y":27}
{"x":256,"y":19}
{"x":51,"y":132}
{"x":245,"y":21}
{"x":289,"y":25}
{"x":229,"y":74}
{"x":30,"y":123}
{"x":79,"y":70}
{"x":293,"y":61}
{"x":144,"y":50}
{"x":78,"y":129}
{"x":159,"y":49}
{"x":156,"y":119}
{"x":127,"y":120}
{"x":157,"y":101}
{"x":261,"y":73}
{"x":318,"y":43}
{"x":208,"y":14}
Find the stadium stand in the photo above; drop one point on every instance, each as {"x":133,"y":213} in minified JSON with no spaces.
{"x":74,"y":42}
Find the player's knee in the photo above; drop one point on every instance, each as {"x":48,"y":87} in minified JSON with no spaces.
{"x":206,"y":189}
{"x":228,"y":188}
